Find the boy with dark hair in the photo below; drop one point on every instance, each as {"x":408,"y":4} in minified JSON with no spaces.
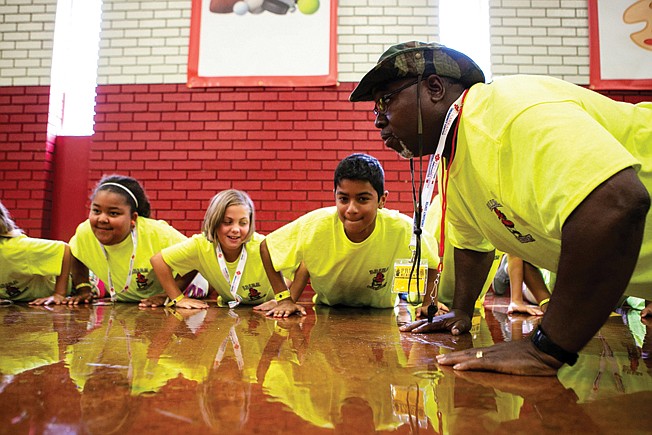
{"x":347,"y":251}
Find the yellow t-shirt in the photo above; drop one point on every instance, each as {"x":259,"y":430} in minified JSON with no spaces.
{"x":29,"y":267}
{"x":197,"y":253}
{"x":530,"y":149}
{"x":341,"y":271}
{"x":446,"y":289}
{"x":153,"y":235}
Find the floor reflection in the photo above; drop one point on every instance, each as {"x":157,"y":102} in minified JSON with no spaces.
{"x":120,"y":369}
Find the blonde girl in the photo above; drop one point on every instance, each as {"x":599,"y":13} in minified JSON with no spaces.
{"x":31,"y":270}
{"x":226,"y":253}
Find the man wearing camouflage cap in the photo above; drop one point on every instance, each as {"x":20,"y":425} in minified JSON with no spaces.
{"x":543,"y":169}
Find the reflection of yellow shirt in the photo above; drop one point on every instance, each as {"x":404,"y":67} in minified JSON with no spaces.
{"x":197,"y":253}
{"x":15,"y":356}
{"x":153,"y":235}
{"x":341,"y":271}
{"x":322,"y":403}
{"x":195,"y":356}
{"x":491,"y":406}
{"x":608,"y":371}
{"x":29,"y":267}
{"x":113,"y":344}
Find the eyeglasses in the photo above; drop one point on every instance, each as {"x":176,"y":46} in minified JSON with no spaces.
{"x":383,"y":102}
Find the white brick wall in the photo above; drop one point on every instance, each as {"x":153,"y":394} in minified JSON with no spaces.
{"x":366,"y":28}
{"x":146,"y":41}
{"x":547,"y":37}
{"x":26,"y":33}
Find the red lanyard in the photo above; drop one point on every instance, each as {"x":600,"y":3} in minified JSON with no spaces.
{"x":444,"y":200}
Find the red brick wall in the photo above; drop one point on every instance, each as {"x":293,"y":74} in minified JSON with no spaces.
{"x":26,"y":157}
{"x":279,"y":144}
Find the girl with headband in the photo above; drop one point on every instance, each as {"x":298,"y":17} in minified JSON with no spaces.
{"x":31,"y":270}
{"x":117,"y":241}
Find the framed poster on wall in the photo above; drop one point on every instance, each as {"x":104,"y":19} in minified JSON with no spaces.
{"x":263,"y":43}
{"x":620,"y":44}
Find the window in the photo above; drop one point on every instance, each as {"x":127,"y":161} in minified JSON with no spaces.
{"x":74,"y":67}
{"x":464,"y":26}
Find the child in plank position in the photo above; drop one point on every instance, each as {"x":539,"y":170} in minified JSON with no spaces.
{"x":226,"y":253}
{"x":31,"y":270}
{"x":527,"y":284}
{"x":117,"y":241}
{"x":347,"y":251}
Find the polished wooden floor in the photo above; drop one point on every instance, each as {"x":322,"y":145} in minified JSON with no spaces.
{"x":120,"y":369}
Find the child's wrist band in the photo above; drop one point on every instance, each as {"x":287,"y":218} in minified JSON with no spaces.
{"x":283,"y":295}
{"x":543,"y":302}
{"x":174,"y":301}
{"x":83,"y":284}
{"x":174,"y":313}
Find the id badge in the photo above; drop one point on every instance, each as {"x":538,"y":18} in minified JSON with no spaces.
{"x":402,"y":268}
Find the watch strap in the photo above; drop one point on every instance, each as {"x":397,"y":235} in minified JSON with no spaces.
{"x":542,"y":342}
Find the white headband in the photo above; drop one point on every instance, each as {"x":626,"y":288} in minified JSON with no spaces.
{"x":124,"y":188}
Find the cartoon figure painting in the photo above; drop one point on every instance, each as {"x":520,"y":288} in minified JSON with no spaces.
{"x":620,"y":36}
{"x":279,"y":7}
{"x":640,"y":11}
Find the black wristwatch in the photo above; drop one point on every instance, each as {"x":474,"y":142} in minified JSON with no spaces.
{"x":545,"y":345}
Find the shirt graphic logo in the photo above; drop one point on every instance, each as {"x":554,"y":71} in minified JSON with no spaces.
{"x":493,"y":206}
{"x":378,"y":279}
{"x":12,"y":291}
{"x":142,"y":281}
{"x":254,"y":294}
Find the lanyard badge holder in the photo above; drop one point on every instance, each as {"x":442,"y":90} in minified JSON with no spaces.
{"x":112,"y":291}
{"x":406,"y":277}
{"x":235,"y":282}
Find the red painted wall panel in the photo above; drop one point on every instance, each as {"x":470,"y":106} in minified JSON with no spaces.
{"x":270,"y":142}
{"x":281,"y":145}
{"x":26,"y":157}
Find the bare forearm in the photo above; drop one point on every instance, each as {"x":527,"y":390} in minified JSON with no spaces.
{"x":535,"y":282}
{"x":301,"y":277}
{"x":601,"y":241}
{"x":431,"y":296}
{"x":61,"y":284}
{"x":275,"y":278}
{"x":471,"y":269}
{"x":79,"y":271}
{"x":515,"y":271}
{"x":164,"y":275}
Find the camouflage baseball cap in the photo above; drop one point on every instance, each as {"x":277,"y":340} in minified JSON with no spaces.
{"x":413,"y":58}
